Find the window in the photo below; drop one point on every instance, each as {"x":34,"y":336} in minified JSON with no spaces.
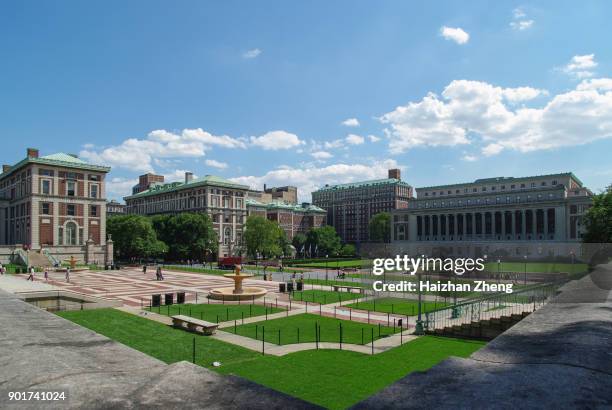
{"x":46,"y":172}
{"x":71,"y":233}
{"x":522,"y":185}
{"x":71,"y":188}
{"x":512,"y":186}
{"x":93,"y":190}
{"x":554,"y":183}
{"x":543,"y":183}
{"x":71,"y":210}
{"x":533,"y":184}
{"x":45,"y":208}
{"x":45,"y":187}
{"x":93,"y":211}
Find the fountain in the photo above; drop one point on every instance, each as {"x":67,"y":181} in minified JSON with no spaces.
{"x":238,"y":292}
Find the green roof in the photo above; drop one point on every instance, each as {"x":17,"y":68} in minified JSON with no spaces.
{"x":374,"y":182}
{"x":59,"y":159}
{"x":305,"y":207}
{"x":208,"y":180}
{"x":504,"y":180}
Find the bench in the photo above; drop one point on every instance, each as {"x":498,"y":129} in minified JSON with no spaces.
{"x":348,"y":288}
{"x":194,"y":325}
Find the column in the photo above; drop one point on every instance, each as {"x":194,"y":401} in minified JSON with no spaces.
{"x":545,"y":210}
{"x":513,"y":218}
{"x":473,"y":225}
{"x":523,"y":224}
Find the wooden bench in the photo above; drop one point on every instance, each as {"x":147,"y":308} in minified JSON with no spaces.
{"x":348,"y":288}
{"x":194,"y":325}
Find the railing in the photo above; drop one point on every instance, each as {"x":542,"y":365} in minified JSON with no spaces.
{"x":491,"y":307}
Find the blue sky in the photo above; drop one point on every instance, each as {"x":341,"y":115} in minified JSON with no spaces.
{"x":259,"y":92}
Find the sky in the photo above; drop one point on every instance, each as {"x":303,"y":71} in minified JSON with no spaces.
{"x":310,"y":93}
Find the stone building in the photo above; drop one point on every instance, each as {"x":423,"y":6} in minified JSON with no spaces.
{"x":507,"y":216}
{"x":114,"y":208}
{"x":350,"y":207}
{"x":293,"y":219}
{"x":53,"y":204}
{"x":223,"y":200}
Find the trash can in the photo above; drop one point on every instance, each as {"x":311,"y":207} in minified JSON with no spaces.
{"x":169,"y":299}
{"x":289,"y":287}
{"x":180,"y":298}
{"x":155,"y":300}
{"x":300,"y":286}
{"x":282,"y":288}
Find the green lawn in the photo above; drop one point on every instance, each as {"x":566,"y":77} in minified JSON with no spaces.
{"x":352,"y":332}
{"x":540,"y":267}
{"x":331,"y":282}
{"x":330,"y":378}
{"x":357,"y":263}
{"x":208,"y":271}
{"x":324,"y":296}
{"x":215,"y":312}
{"x":398,"y":305}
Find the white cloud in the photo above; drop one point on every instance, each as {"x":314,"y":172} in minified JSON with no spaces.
{"x":276,"y":140}
{"x":373,"y":138}
{"x":457,"y":34}
{"x":333,"y":144}
{"x":321,"y":155}
{"x":250,"y":54}
{"x":469,"y":111}
{"x":351,"y":122}
{"x":469,"y":158}
{"x":492,"y":149}
{"x":520,"y":21}
{"x":604,"y":84}
{"x":139,"y":154}
{"x":178,"y":175}
{"x":310,"y":177}
{"x":118,"y":187}
{"x":216,"y":164}
{"x":581,"y":66}
{"x":354,"y":139}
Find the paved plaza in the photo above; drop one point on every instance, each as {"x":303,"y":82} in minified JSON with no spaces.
{"x":132,"y":287}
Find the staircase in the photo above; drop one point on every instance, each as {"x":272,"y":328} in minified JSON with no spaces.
{"x":486,"y":329}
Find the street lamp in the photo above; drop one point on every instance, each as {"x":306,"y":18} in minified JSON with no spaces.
{"x":498,"y":270}
{"x":326,"y":256}
{"x":418,"y":329}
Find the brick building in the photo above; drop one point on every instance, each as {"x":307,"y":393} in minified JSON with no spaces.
{"x":293,"y":219}
{"x":56,"y":202}
{"x":350,"y":207}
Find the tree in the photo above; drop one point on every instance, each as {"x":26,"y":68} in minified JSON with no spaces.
{"x":134,"y":237}
{"x":380,"y":227}
{"x":263,"y":237}
{"x":323,"y":241}
{"x":298,"y":242}
{"x":598,"y":219}
{"x":189,"y":235}
{"x":348,"y":250}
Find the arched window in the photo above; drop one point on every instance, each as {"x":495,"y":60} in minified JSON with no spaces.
{"x":71,"y":233}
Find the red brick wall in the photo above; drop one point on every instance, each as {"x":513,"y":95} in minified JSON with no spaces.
{"x":45,"y":235}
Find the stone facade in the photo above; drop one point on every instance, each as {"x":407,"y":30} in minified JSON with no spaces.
{"x":515,"y":217}
{"x":223,"y":200}
{"x":55,"y":202}
{"x":350,"y":207}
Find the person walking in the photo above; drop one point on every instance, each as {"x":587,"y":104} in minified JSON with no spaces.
{"x":67,"y":275}
{"x":1,"y":269}
{"x":31,"y":276}
{"x":144,"y":269}
{"x":161,"y":275}
{"x":46,"y":274}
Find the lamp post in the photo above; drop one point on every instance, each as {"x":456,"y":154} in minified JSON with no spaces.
{"x":326,"y":256}
{"x":498,"y":270}
{"x":418,"y":329}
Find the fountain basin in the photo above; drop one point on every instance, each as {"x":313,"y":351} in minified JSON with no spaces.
{"x":248,"y":293}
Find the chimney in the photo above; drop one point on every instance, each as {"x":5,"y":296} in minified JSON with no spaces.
{"x":395,"y":174}
{"x":188,"y":177}
{"x":32,"y":153}
{"x":264,"y":187}
{"x":6,"y":168}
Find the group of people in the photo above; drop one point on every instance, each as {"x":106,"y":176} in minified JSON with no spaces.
{"x":158,"y":272}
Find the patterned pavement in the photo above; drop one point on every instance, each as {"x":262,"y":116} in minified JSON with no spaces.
{"x":134,"y":288}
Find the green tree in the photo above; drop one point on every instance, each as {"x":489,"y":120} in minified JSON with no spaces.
{"x":380,"y":227}
{"x":323,"y":241}
{"x":298,"y":242}
{"x":134,"y":237}
{"x":598,"y":219}
{"x":348,"y":250}
{"x":263,"y":237}
{"x":189,"y":235}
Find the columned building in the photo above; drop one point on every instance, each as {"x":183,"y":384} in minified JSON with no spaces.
{"x":350,"y":207}
{"x":514,"y":217}
{"x":223,"y":200}
{"x":56,"y":203}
